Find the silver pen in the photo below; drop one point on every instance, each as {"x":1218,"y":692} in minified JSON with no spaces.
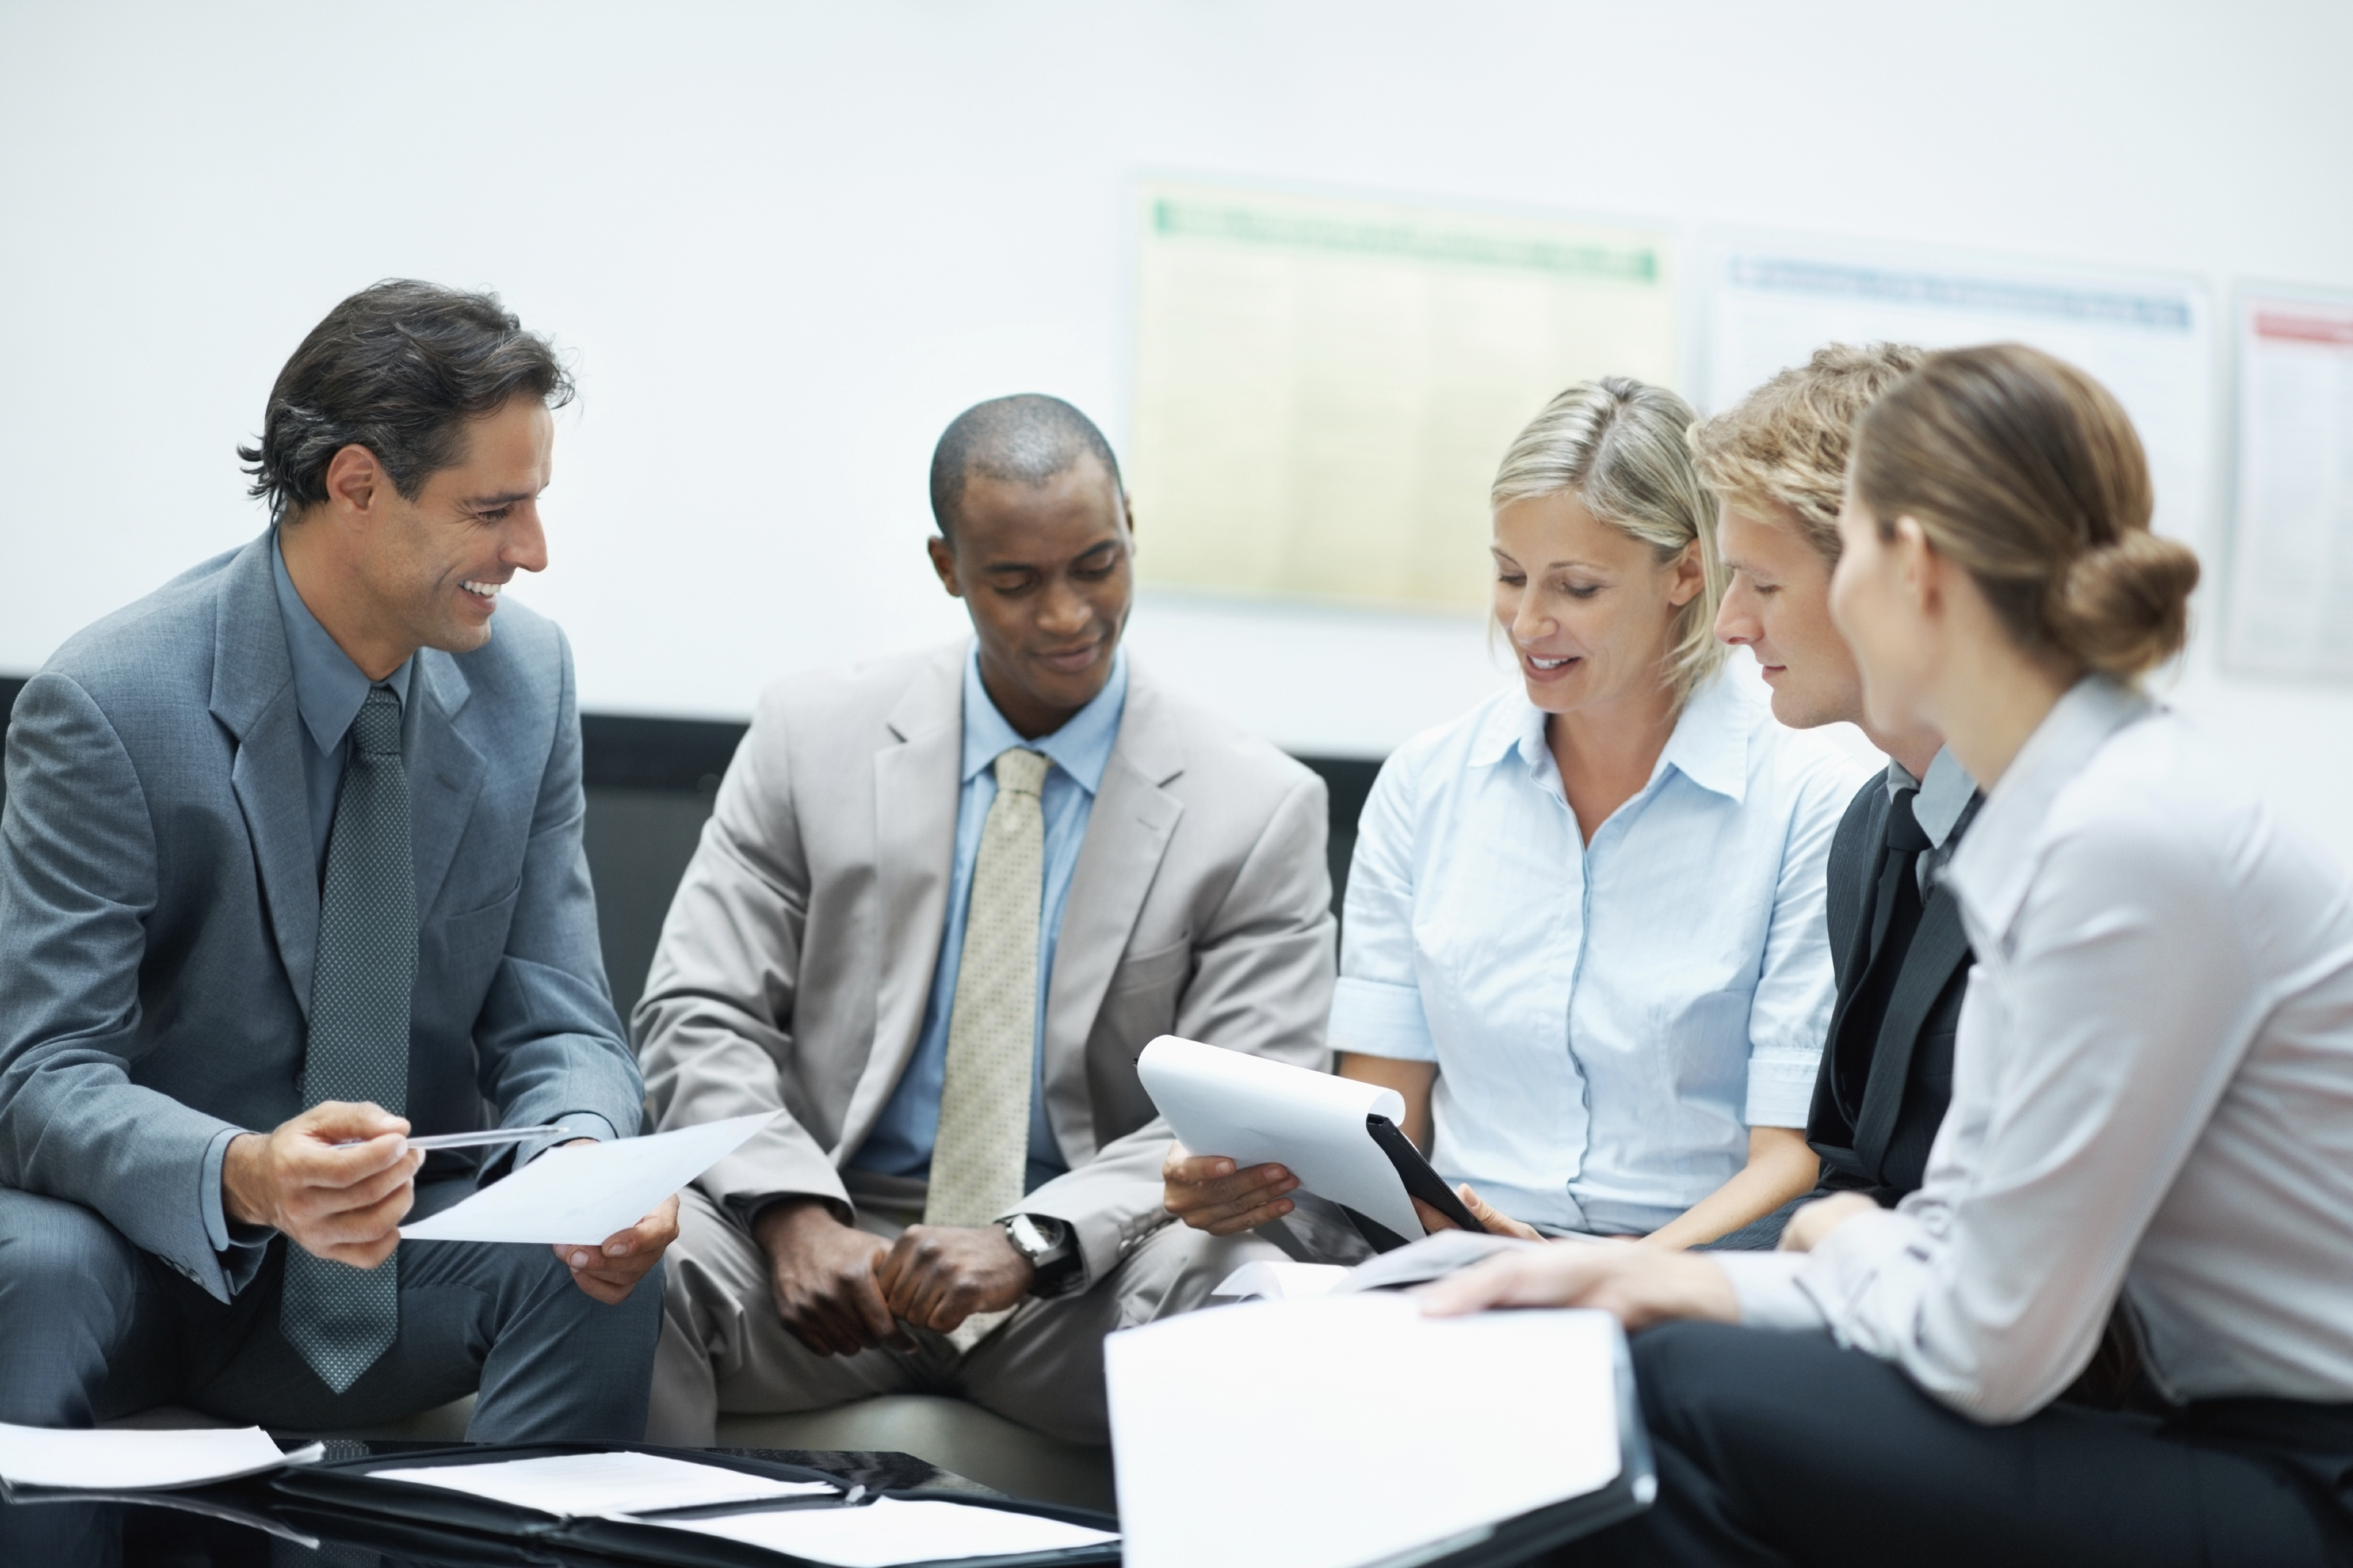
{"x":489,"y":1137}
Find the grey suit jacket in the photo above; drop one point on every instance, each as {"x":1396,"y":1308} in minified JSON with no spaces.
{"x":159,"y":904}
{"x":796,"y":960}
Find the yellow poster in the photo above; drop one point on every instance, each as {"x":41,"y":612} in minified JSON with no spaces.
{"x":1326,"y":387}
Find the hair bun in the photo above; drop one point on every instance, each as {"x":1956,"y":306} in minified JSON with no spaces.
{"x":2123,"y":607}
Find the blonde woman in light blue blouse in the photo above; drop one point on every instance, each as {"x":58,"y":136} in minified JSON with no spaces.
{"x":1584,"y":934}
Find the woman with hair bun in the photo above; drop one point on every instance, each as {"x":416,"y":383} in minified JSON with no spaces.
{"x":2115,"y":1325}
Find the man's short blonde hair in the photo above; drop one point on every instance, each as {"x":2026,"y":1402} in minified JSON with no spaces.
{"x":1783,"y":448}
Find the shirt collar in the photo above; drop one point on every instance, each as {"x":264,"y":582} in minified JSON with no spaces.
{"x":1081,"y":748}
{"x":328,"y":687}
{"x":1943,"y":794}
{"x":1709,"y":745}
{"x":1996,"y":861}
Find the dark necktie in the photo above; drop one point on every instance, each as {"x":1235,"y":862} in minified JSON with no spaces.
{"x":339,"y":1317}
{"x":1894,"y":917}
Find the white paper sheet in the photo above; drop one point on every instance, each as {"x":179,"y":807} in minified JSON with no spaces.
{"x":1252,"y":1111}
{"x":1390,"y":1431}
{"x":1270,"y":1280}
{"x":892,"y":1530}
{"x":585,"y":1192}
{"x":138,"y":1461}
{"x":577,"y":1485}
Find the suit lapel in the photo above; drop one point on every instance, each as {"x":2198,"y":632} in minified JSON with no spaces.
{"x":253,"y":698}
{"x":917,"y":785}
{"x":1940,"y":949}
{"x":445,"y":772}
{"x":1127,"y":833}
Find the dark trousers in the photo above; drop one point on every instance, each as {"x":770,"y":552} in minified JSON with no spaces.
{"x":92,"y":1327}
{"x":1781,"y":1448}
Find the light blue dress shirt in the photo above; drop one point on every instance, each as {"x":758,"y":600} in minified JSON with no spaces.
{"x":329,"y":691}
{"x":901,"y":1143}
{"x":1609,"y":1020}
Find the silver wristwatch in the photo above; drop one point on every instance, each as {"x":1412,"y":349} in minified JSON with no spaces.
{"x":1045,"y":1243}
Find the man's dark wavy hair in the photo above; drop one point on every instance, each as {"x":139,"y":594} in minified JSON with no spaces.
{"x":398,"y":368}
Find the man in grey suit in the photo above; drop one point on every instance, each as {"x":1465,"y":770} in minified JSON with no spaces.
{"x":290,"y":866}
{"x":941,"y":904}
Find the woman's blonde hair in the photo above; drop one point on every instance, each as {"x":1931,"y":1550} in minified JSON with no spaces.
{"x":1617,"y":444}
{"x":1785,"y":446}
{"x":2028,"y":474}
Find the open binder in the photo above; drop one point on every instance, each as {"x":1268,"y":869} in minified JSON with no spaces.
{"x":426,"y":1514}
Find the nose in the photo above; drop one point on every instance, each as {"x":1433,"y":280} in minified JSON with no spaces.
{"x":1530,"y":625}
{"x":1736,"y":619}
{"x":1062,"y":611}
{"x":524,"y":547}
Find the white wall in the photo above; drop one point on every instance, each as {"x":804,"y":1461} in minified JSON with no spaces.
{"x":788,"y":242}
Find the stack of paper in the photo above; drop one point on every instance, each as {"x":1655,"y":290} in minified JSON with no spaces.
{"x":138,"y":1461}
{"x":1386,"y":1432}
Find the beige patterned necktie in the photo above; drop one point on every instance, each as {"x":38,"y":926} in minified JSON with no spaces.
{"x":983,"y":1148}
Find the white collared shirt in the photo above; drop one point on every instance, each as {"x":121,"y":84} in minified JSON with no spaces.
{"x":2152,"y":1089}
{"x":1608,"y":1021}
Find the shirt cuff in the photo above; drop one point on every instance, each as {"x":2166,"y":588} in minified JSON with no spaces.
{"x":1380,"y":1020}
{"x":1767,"y":1285}
{"x":240,"y":1246}
{"x":1781,"y":1088}
{"x":576,"y":1124}
{"x":214,"y":1200}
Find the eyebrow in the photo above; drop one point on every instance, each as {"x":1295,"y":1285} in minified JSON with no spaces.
{"x":1554,"y":566}
{"x":505,"y":498}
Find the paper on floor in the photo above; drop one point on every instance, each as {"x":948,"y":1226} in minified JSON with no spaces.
{"x":138,"y":1461}
{"x":1254,"y":1112}
{"x":1388,"y":1431}
{"x":892,"y":1530}
{"x":577,"y":1485}
{"x":585,"y":1192}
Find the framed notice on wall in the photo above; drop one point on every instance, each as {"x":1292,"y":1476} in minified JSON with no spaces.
{"x":1771,"y":302}
{"x":2292,"y":545}
{"x":1325,"y":387}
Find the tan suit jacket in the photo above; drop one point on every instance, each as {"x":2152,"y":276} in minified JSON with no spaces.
{"x":798,"y":957}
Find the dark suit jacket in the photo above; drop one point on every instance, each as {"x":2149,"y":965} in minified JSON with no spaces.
{"x":1910,"y":1080}
{"x":159,"y":904}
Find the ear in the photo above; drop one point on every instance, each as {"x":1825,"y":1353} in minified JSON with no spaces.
{"x":1690,"y":577}
{"x":1917,"y":565}
{"x":1127,"y":506}
{"x":357,"y":487}
{"x":943,"y":562}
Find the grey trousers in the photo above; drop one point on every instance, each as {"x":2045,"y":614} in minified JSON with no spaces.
{"x":723,"y":1347}
{"x":92,"y":1327}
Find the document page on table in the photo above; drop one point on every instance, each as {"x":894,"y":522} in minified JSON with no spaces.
{"x":1396,"y":1431}
{"x":586,"y":1191}
{"x":893,"y":1531}
{"x":1253,"y":1111}
{"x":86,"y":1460}
{"x":588,"y":1485}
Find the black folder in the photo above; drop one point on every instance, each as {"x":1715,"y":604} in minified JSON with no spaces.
{"x":350,"y":1487}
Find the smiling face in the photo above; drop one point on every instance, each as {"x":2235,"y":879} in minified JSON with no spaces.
{"x":1589,"y":609}
{"x":1046,"y":572}
{"x":434,"y":567}
{"x":1776,"y":605}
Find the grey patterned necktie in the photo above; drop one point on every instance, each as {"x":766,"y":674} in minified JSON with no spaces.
{"x":981,"y":1155}
{"x":339,"y":1317}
